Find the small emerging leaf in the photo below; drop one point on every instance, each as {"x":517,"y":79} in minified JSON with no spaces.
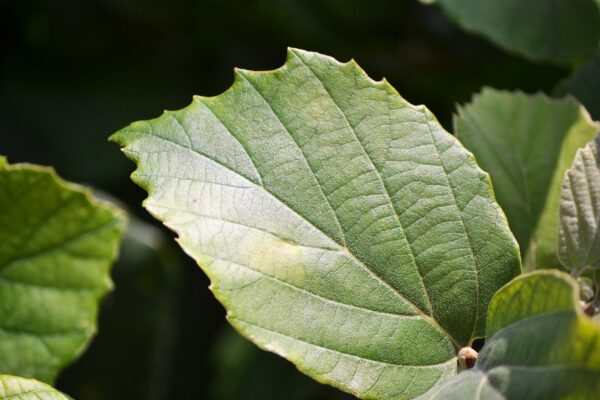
{"x":542,"y":30}
{"x":526,"y":142}
{"x":16,"y":388}
{"x":56,"y":248}
{"x":579,"y":230}
{"x":539,"y":346}
{"x":341,"y":226}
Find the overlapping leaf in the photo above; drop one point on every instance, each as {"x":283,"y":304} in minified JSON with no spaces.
{"x":341,"y":227}
{"x":56,"y":248}
{"x":539,"y":346}
{"x":541,"y":30}
{"x":585,"y":85}
{"x":526,"y":142}
{"x":16,"y":388}
{"x":579,"y":230}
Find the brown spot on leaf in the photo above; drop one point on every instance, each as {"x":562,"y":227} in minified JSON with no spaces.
{"x":467,"y":357}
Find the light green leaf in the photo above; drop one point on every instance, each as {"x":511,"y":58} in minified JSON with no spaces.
{"x":16,"y":388}
{"x":56,"y":248}
{"x":341,"y":226}
{"x":540,"y":345}
{"x":585,"y":85}
{"x":579,"y":234}
{"x":526,"y":142}
{"x":540,"y":30}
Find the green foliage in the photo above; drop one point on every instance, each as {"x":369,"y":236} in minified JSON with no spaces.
{"x":526,"y":142}
{"x":579,"y":234}
{"x":539,"y":345}
{"x":341,"y":227}
{"x":56,"y":247}
{"x":584,"y":84}
{"x":133,"y":354}
{"x":15,"y":388}
{"x":541,"y":30}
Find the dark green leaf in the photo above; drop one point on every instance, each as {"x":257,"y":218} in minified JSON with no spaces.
{"x":541,"y":30}
{"x":56,"y":248}
{"x":526,"y":142}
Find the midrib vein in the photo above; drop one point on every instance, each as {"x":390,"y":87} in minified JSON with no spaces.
{"x":242,"y":145}
{"x":462,"y":223}
{"x":304,"y":157}
{"x":57,"y":246}
{"x":310,"y":293}
{"x":342,"y":247}
{"x":381,"y":182}
{"x":442,"y":364}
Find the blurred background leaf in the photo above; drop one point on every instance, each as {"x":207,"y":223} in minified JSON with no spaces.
{"x":561,"y":32}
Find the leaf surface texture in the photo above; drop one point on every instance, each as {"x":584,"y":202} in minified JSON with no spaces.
{"x":558,"y":31}
{"x":579,"y":231}
{"x":341,"y":226}
{"x":539,"y":346}
{"x":584,"y":84}
{"x":526,"y":142}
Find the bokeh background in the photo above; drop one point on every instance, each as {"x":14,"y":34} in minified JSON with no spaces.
{"x":72,"y":72}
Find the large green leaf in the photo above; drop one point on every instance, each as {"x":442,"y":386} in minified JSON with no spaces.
{"x":16,"y":388}
{"x":579,"y":230}
{"x":560,"y":31}
{"x":585,"y":85}
{"x":539,"y":346}
{"x":341,"y":226}
{"x":56,"y":248}
{"x":526,"y":142}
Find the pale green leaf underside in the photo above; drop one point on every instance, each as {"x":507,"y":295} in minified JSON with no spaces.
{"x":56,"y":248}
{"x":526,"y":142}
{"x":539,"y":346}
{"x":16,"y":388}
{"x":579,"y":231}
{"x":560,"y":31}
{"x":341,"y":227}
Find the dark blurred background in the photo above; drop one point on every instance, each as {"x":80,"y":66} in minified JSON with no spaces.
{"x":72,"y":72}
